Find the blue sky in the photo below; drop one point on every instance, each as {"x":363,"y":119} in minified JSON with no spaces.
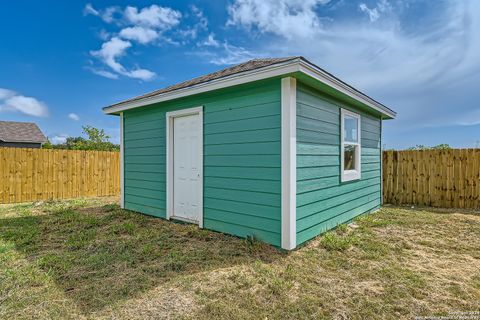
{"x":62,"y":61}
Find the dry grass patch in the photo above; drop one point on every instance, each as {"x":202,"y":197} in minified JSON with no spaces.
{"x":161,"y":302}
{"x":90,"y":259}
{"x":386,"y":267}
{"x":98,"y":256}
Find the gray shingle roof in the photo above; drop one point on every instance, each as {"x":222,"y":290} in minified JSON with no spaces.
{"x":11,"y":131}
{"x":246,"y":67}
{"x":242,"y":67}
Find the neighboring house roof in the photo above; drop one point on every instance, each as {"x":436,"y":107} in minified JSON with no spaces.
{"x":249,"y":71}
{"x":11,"y":131}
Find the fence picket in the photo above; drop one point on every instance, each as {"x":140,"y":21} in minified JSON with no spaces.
{"x":439,"y":178}
{"x":42,"y":174}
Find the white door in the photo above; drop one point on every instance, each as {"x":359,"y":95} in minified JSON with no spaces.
{"x":186,"y":167}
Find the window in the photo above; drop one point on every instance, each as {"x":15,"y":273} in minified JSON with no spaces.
{"x":350,"y":144}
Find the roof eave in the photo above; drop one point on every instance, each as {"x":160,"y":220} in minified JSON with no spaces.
{"x":36,"y":142}
{"x":22,"y":141}
{"x":289,"y":67}
{"x":321,"y":75}
{"x":225,"y":82}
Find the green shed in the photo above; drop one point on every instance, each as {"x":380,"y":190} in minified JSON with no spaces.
{"x":277,"y":149}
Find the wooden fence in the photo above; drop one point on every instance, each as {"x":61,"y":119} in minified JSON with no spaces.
{"x":41,"y":174}
{"x":438,"y":178}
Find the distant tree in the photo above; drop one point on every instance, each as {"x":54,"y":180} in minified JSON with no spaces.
{"x":418,"y":147}
{"x":71,"y":143}
{"x":442,"y":146}
{"x":96,"y":139}
{"x":47,"y":145}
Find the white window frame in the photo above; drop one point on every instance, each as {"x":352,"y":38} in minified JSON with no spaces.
{"x":349,"y":175}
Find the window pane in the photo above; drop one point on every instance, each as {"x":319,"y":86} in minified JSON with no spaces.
{"x":349,"y":157}
{"x":350,"y":126}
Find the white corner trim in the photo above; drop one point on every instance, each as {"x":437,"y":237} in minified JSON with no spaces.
{"x":381,"y":162}
{"x":356,"y":174}
{"x":122,"y":165}
{"x":289,"y":163}
{"x":169,"y":116}
{"x":276,"y":70}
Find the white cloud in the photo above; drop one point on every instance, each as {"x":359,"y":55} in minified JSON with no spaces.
{"x":211,"y":41}
{"x":139,"y":34}
{"x":196,"y":23}
{"x":103,"y":73}
{"x":201,"y":24}
{"x":153,"y":16}
{"x":229,"y":54}
{"x":111,"y":51}
{"x":424,"y":63}
{"x":142,"y":74}
{"x":104,"y":35}
{"x":428,"y":72}
{"x":73,"y":116}
{"x":143,"y":26}
{"x":58,"y":138}
{"x":372,"y":13}
{"x":289,"y":18}
{"x":12,"y":101}
{"x":107,"y":15}
{"x":90,"y":10}
{"x":471,"y":118}
{"x":198,"y":13}
{"x":6,"y":93}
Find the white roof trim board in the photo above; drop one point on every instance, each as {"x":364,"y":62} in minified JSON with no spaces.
{"x":297,"y":64}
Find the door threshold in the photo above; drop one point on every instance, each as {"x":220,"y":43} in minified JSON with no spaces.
{"x":184,"y":219}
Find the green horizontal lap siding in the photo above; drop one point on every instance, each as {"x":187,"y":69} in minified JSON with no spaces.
{"x":323,"y":201}
{"x":145,"y":160}
{"x":242,"y":159}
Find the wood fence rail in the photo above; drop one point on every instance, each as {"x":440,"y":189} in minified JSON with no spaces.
{"x":437,"y":178}
{"x":43,"y":174}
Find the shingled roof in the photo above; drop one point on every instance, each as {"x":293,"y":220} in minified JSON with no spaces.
{"x":256,"y":68}
{"x":242,"y":67}
{"x":11,"y":131}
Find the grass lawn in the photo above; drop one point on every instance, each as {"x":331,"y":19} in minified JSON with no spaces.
{"x":90,"y":259}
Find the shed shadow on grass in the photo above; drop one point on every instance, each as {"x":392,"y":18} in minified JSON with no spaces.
{"x":102,"y":255}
